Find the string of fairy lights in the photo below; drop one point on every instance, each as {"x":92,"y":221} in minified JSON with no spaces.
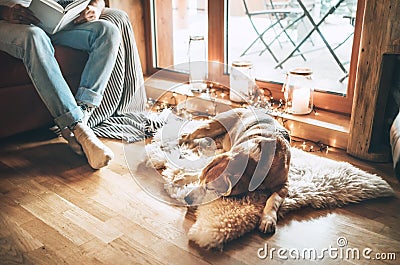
{"x":215,"y":92}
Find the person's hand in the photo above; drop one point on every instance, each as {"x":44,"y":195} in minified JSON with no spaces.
{"x":91,"y":13}
{"x":19,"y":14}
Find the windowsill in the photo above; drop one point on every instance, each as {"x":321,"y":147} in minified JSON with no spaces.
{"x":321,"y":126}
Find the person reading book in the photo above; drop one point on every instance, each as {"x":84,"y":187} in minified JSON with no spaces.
{"x":101,"y":39}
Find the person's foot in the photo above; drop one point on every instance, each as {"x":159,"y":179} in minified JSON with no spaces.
{"x":72,"y":143}
{"x":97,"y":153}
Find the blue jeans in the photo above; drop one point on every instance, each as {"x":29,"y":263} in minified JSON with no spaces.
{"x":34,"y":47}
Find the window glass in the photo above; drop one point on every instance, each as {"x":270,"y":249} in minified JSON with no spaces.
{"x":175,"y":21}
{"x":278,"y":35}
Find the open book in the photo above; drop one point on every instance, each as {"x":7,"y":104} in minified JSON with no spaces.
{"x":53,"y":16}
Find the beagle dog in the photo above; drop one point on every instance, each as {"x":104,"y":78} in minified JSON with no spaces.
{"x":255,"y":155}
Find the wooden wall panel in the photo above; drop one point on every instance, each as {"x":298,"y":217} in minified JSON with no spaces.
{"x":381,"y":32}
{"x":164,"y":40}
{"x":134,"y":8}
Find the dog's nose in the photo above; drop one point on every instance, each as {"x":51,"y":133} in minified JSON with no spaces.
{"x":188,"y":199}
{"x":195,"y":196}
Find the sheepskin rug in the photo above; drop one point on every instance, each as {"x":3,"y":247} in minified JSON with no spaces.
{"x":314,"y":181}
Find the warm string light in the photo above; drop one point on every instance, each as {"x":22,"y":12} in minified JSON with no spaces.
{"x":311,"y":146}
{"x":265,"y":100}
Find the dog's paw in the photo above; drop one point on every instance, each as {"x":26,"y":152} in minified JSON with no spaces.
{"x":186,"y":179}
{"x":188,"y":141}
{"x":195,"y":145}
{"x":184,"y":139}
{"x":268,"y":224}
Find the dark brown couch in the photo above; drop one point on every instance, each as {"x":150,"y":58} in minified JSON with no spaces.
{"x":21,"y":108}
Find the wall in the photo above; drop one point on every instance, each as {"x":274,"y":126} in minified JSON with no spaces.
{"x":380,"y":36}
{"x":134,"y":8}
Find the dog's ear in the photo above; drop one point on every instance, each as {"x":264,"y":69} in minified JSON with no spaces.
{"x":222,"y":185}
{"x":215,"y":168}
{"x":264,"y":156}
{"x":218,"y":174}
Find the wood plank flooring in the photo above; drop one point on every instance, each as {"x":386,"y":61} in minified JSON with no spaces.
{"x":54,"y":209}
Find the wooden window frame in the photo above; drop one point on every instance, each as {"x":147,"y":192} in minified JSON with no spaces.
{"x":216,"y":53}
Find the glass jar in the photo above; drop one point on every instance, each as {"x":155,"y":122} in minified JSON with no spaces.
{"x":197,"y":63}
{"x":241,"y":81}
{"x":298,"y":91}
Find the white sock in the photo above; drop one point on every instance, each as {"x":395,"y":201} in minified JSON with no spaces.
{"x":97,"y":153}
{"x":72,"y":143}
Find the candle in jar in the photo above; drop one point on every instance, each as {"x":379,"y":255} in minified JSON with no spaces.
{"x":241,"y":81}
{"x":301,"y":101}
{"x":198,"y":75}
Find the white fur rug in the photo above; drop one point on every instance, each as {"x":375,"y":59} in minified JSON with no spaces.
{"x":314,"y":181}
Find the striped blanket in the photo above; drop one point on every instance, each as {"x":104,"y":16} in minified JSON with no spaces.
{"x":122,"y":114}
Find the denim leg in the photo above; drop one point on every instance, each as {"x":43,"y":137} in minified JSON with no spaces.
{"x":101,"y":40}
{"x":33,"y":47}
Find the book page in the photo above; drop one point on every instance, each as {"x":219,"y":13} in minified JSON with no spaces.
{"x":53,"y":17}
{"x":48,"y":15}
{"x":53,"y":4}
{"x":72,"y":13}
{"x":74,"y":4}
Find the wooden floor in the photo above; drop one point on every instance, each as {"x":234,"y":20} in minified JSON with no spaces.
{"x":54,"y":209}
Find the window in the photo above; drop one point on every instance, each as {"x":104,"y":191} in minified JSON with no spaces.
{"x":174,"y":23}
{"x":267,"y":33}
{"x":229,"y":32}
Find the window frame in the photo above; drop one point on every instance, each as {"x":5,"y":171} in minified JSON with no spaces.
{"x":217,"y":41}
